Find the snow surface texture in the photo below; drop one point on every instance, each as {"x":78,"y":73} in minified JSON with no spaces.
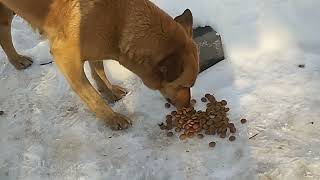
{"x":47,"y":132}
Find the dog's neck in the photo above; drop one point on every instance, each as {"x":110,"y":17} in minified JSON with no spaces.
{"x":151,"y":35}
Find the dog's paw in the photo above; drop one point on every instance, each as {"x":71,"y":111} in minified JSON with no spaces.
{"x":118,"y":93}
{"x":21,"y":62}
{"x":119,"y":122}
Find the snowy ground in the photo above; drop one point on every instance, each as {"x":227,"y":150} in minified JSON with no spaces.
{"x":47,"y":133}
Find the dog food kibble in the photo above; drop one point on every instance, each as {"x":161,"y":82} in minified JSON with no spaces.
{"x":212,"y":144}
{"x":224,"y":102}
{"x":173,"y":113}
{"x":193,"y":102}
{"x":162,"y":126}
{"x":169,"y":121}
{"x":232,"y":138}
{"x":1,"y":113}
{"x":200,"y":136}
{"x":167,"y":105}
{"x":183,"y":137}
{"x":204,"y":99}
{"x":212,"y":121}
{"x":243,"y":121}
{"x":170,"y":134}
{"x":233,"y":130}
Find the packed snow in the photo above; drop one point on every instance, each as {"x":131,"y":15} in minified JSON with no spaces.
{"x":48,"y":133}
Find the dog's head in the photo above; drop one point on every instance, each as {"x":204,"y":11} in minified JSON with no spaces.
{"x":178,"y":71}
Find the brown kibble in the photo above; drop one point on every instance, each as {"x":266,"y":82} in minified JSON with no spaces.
{"x":233,"y":129}
{"x":210,"y":122}
{"x":212,"y":144}
{"x":189,"y":109}
{"x":224,"y":130}
{"x":200,"y":136}
{"x":223,"y":135}
{"x":169,"y":121}
{"x":205,"y":126}
{"x":173,"y":113}
{"x":162,"y":126}
{"x":184,"y":111}
{"x":170,"y":134}
{"x":1,"y":113}
{"x":219,"y":130}
{"x":218,"y":124}
{"x":167,"y":105}
{"x":174,"y":122}
{"x":190,"y":122}
{"x":224,"y":102}
{"x":230,"y":125}
{"x":204,"y":99}
{"x":213,"y":131}
{"x":209,"y":104}
{"x":169,"y":126}
{"x":207,"y":132}
{"x":211,"y":99}
{"x":190,"y":134}
{"x":183,"y":137}
{"x":243,"y":121}
{"x":232,"y":138}
{"x":195,"y":126}
{"x":226,"y":119}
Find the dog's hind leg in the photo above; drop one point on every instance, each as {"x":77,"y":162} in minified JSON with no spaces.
{"x":71,"y":65}
{"x":112,"y":92}
{"x":17,"y":60}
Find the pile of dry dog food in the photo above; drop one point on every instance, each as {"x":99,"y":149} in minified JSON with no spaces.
{"x":189,"y":122}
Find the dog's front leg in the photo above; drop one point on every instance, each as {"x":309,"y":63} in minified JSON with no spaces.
{"x":112,"y":92}
{"x":17,"y":60}
{"x":69,"y":62}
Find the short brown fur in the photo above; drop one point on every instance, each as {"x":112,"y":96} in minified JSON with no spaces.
{"x":136,"y":33}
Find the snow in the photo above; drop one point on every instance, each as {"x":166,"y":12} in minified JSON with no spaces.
{"x":47,"y":132}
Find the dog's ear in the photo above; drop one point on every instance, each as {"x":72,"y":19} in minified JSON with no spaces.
{"x":170,"y":68}
{"x":186,"y":20}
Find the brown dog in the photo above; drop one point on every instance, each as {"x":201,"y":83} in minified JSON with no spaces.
{"x":136,"y":33}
